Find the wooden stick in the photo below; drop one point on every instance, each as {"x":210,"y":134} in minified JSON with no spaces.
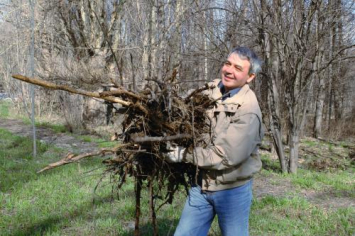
{"x":70,"y":158}
{"x":138,"y":191}
{"x":54,"y":86}
{"x":121,"y":92}
{"x":147,"y":139}
{"x":153,"y":216}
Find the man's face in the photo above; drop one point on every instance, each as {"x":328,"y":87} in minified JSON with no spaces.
{"x":235,"y":72}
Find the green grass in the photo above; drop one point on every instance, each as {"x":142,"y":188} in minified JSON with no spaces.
{"x":87,"y":139}
{"x":270,"y":164}
{"x":339,"y":183}
{"x":310,"y":143}
{"x":63,"y":202}
{"x":296,"y":216}
{"x":5,"y":109}
{"x":16,"y":159}
{"x":58,"y":128}
{"x":101,"y":143}
{"x":330,"y":147}
{"x":7,"y":112}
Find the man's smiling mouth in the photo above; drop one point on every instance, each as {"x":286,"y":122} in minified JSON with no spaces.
{"x":228,"y":77}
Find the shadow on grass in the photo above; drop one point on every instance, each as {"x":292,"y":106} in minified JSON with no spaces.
{"x":54,"y":223}
{"x":26,"y":170}
{"x":88,"y":214}
{"x":39,"y":228}
{"x":165,"y":227}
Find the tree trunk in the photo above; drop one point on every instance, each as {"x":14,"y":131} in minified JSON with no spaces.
{"x":273,"y":95}
{"x":146,"y":60}
{"x":275,"y":123}
{"x":318,"y":117}
{"x":205,"y":47}
{"x":332,"y":46}
{"x":317,"y":130}
{"x":277,"y":140}
{"x":294,"y":145}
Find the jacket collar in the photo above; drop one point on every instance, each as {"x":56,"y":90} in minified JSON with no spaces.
{"x":236,"y":99}
{"x":228,"y":94}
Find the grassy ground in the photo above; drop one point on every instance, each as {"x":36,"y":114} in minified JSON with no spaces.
{"x":305,"y":204}
{"x":63,"y":201}
{"x":5,"y":109}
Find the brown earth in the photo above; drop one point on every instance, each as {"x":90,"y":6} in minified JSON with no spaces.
{"x":47,"y":135}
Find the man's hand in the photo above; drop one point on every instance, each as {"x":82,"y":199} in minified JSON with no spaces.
{"x":175,"y":155}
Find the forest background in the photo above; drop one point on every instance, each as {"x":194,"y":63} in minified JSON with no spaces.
{"x":307,"y":49}
{"x":306,"y":92}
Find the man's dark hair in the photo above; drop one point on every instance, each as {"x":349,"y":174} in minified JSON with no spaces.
{"x":248,"y":54}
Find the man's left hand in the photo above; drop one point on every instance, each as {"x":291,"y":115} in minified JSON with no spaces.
{"x":175,"y":155}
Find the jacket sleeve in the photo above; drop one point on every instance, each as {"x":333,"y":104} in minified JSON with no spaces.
{"x":232,"y":146}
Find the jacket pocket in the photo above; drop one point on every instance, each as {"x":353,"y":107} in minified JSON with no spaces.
{"x":223,"y":119}
{"x":240,"y":172}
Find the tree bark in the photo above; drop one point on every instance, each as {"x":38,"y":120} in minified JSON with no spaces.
{"x":318,"y":119}
{"x":320,"y":77}
{"x":273,"y":101}
{"x":294,"y":145}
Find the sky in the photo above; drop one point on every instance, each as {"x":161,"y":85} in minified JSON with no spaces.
{"x":3,"y":4}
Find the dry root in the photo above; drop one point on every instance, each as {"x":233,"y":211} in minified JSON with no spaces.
{"x":152,"y":119}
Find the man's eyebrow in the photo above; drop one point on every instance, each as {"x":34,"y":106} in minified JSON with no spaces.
{"x":238,"y":67}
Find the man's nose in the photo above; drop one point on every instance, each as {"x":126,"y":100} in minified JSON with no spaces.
{"x":228,"y":69}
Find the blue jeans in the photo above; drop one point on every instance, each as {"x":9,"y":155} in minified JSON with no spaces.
{"x":232,"y":207}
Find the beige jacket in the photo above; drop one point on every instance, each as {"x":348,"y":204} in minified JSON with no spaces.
{"x":231,"y":156}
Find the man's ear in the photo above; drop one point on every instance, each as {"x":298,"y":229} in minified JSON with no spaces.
{"x":251,"y":77}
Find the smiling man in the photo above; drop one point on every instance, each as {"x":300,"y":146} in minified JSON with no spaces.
{"x":236,"y":72}
{"x":229,"y":158}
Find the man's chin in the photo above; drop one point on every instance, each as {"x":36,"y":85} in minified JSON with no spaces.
{"x":228,"y":84}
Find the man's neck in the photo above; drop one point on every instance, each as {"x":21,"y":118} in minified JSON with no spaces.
{"x":227,"y":93}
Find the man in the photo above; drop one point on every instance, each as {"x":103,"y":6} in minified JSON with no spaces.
{"x":231,"y":157}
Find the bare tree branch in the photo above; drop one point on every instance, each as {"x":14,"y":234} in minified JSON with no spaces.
{"x":50,"y":85}
{"x":70,"y":158}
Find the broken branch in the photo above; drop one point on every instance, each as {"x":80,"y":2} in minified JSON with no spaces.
{"x":147,"y":139}
{"x":54,"y":86}
{"x":70,"y":158}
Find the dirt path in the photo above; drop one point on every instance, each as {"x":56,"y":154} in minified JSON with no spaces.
{"x":61,"y":140}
